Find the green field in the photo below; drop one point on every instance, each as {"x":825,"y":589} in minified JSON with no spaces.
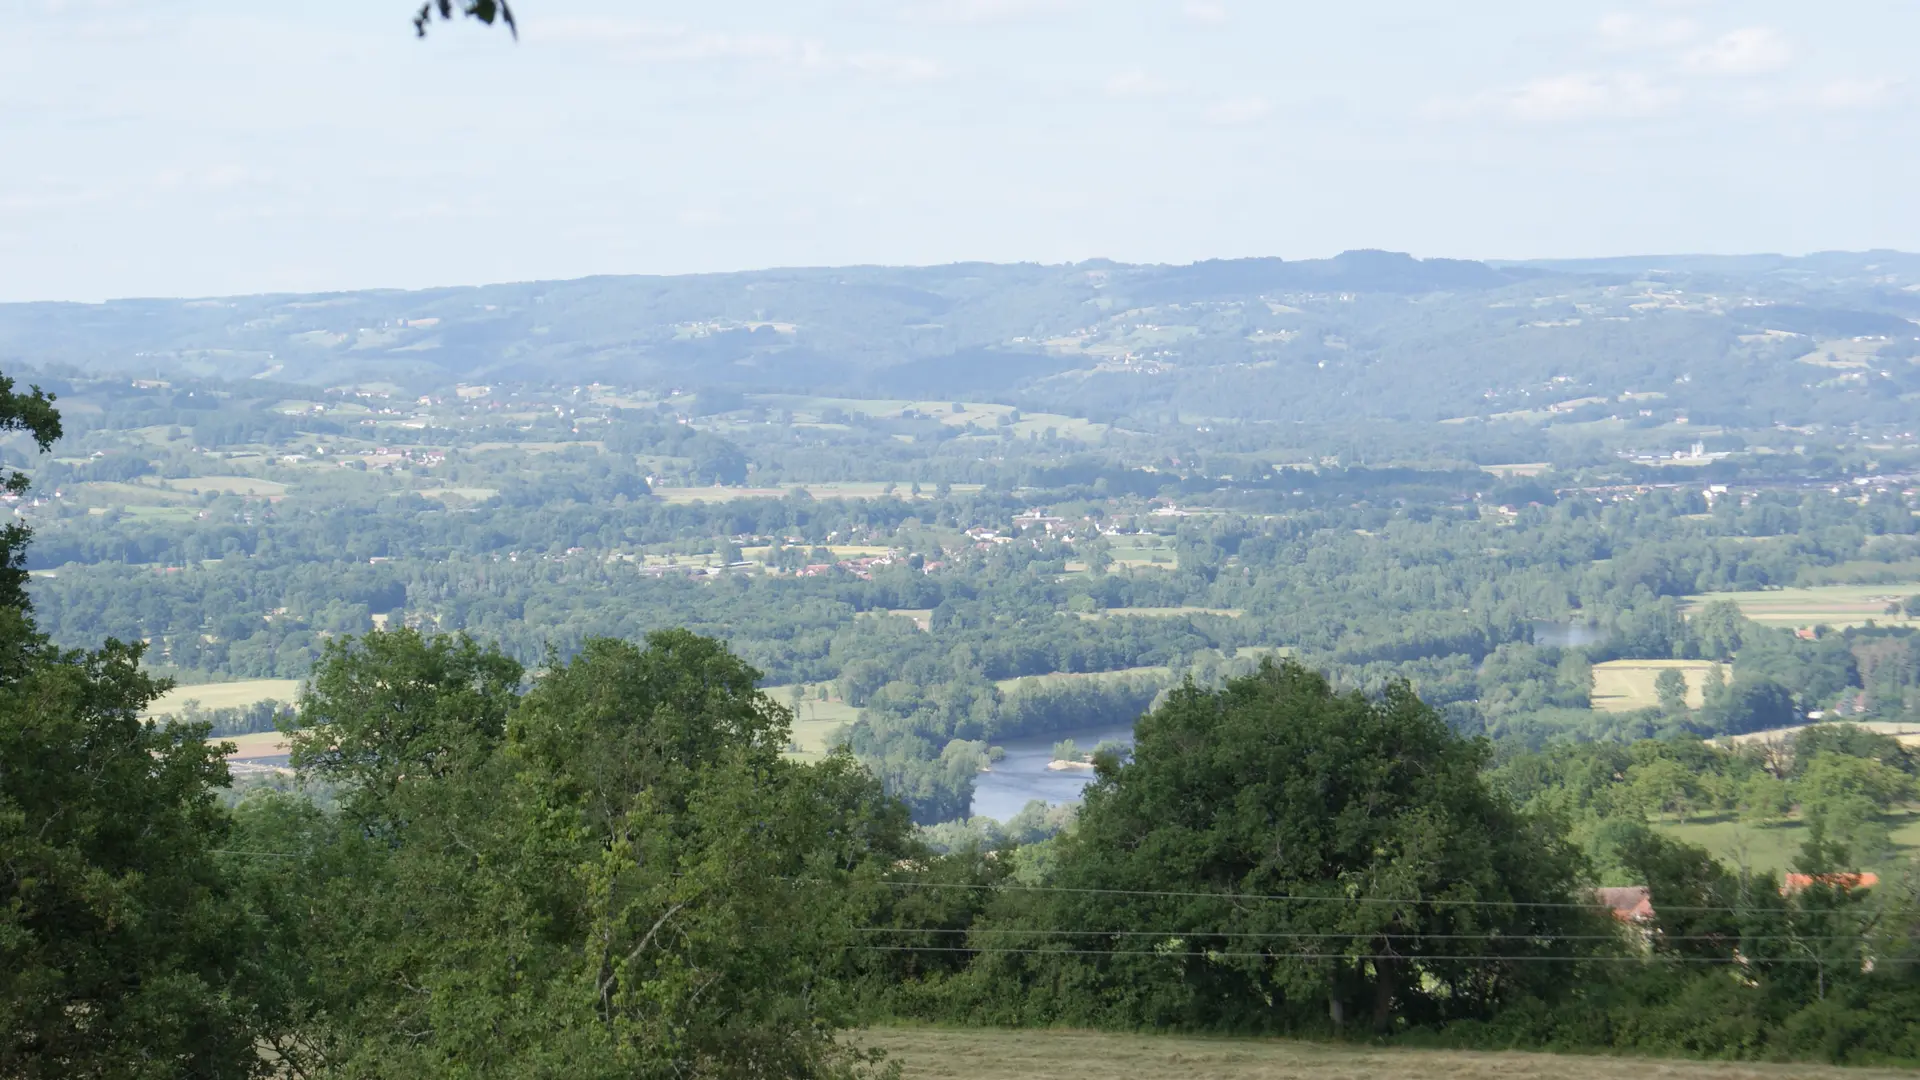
{"x":981,"y":414}
{"x":1625,"y":685}
{"x":1837,"y":606}
{"x":1162,"y":612}
{"x":226,"y":695}
{"x":814,"y":722}
{"x":1007,"y":686}
{"x":986,"y":1054}
{"x":117,"y":493}
{"x":229,"y":485}
{"x":922,"y":617}
{"x":1773,"y":847}
{"x":850,"y":489}
{"x":1523,"y":468}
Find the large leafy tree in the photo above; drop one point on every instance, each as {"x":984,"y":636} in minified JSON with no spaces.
{"x":615,"y":873}
{"x":1411,"y":891}
{"x":121,"y":949}
{"x":33,"y":413}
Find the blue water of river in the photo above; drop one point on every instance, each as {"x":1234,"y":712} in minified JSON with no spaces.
{"x":1022,"y":775}
{"x":1567,"y":635}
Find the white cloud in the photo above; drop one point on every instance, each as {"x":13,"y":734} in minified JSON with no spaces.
{"x":1752,"y":50}
{"x":1206,"y":12}
{"x":1564,"y":98}
{"x":1136,"y":83}
{"x":982,"y":11}
{"x":1585,"y":96}
{"x":1237,"y":111}
{"x":903,"y":67}
{"x":1626,"y":31}
{"x":1856,"y":93}
{"x":650,"y":42}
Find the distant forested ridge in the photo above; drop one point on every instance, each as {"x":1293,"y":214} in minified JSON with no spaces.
{"x":1363,"y":335}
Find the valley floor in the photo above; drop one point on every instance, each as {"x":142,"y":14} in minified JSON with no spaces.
{"x":985,"y":1054}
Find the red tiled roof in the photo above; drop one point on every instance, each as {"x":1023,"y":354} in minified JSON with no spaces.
{"x":1629,"y":903}
{"x":1797,"y":882}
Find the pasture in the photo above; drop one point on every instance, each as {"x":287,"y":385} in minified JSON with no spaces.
{"x":228,"y":485}
{"x":1855,"y":352}
{"x":1521,"y":468}
{"x":840,"y":489}
{"x":1625,"y":685}
{"x":226,"y":695}
{"x":991,"y":1054}
{"x":1838,"y":606}
{"x":1009,"y":686}
{"x":815,"y":722}
{"x":1774,"y":847}
{"x":922,"y":617}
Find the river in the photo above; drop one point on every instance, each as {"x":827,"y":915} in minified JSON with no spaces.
{"x":1567,"y":635}
{"x":1022,"y":775}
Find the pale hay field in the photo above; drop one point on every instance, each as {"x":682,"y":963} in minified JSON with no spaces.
{"x":226,"y":695}
{"x":1625,"y":685}
{"x":976,"y":1054}
{"x":1838,"y":606}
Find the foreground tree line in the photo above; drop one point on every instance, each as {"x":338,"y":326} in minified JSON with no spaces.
{"x":610,"y":869}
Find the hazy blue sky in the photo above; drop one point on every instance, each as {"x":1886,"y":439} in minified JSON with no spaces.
{"x":193,"y":147}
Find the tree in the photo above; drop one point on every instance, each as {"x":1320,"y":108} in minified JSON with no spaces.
{"x":395,"y":705}
{"x":1368,"y":811}
{"x":623,"y":878}
{"x":121,"y":948}
{"x":33,"y":413}
{"x":1846,"y":797}
{"x":1764,"y":799}
{"x":484,"y":10}
{"x":1671,"y":688}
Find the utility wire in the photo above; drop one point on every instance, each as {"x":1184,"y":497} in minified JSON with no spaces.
{"x":1303,"y":898}
{"x":1516,"y":938}
{"x":1378,"y":956}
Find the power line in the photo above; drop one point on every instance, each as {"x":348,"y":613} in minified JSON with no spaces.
{"x":1520,"y":937}
{"x":1306,"y":898}
{"x":1422,"y":958}
{"x":1563,"y":905}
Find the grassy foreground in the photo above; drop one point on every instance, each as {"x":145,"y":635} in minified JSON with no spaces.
{"x":978,"y":1054}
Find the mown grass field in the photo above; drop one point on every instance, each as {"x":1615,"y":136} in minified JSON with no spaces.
{"x":226,"y":695}
{"x":814,"y":722}
{"x":1773,"y":847}
{"x":1837,"y":606}
{"x":229,"y":485}
{"x":1625,"y":685}
{"x":983,"y":1054}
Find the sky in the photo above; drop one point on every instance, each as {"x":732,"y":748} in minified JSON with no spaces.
{"x":214,"y":147}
